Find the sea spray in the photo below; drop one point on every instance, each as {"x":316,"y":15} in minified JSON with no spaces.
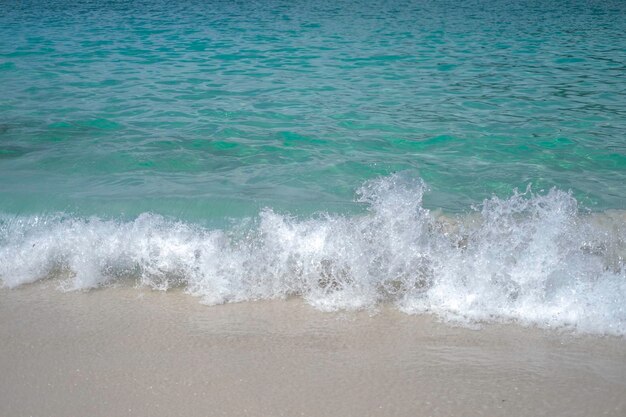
{"x":536,"y":259}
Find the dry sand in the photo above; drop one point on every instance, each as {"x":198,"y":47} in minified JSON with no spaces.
{"x":131,"y":352}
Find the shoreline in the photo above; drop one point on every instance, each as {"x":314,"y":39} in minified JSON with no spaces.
{"x":128,"y":351}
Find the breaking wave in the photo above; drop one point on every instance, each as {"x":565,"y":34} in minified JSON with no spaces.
{"x":536,"y":259}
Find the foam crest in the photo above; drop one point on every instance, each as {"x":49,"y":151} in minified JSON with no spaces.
{"x":532,"y":258}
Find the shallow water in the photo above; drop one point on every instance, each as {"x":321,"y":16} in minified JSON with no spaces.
{"x":209,"y":109}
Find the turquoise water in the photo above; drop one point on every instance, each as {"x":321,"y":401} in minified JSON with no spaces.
{"x":348,"y":152}
{"x":212,"y":109}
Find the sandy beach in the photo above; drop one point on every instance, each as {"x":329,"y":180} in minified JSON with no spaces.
{"x":127,"y":351}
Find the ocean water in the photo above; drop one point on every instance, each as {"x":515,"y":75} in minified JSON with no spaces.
{"x":464,"y":159}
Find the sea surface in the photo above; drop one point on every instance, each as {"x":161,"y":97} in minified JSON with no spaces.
{"x":459,"y":158}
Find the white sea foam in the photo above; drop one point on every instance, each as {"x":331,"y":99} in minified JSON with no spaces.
{"x":534,"y":259}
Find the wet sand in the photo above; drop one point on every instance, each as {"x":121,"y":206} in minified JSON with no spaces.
{"x":132,"y":352}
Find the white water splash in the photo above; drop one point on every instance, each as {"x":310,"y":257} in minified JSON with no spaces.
{"x":531,"y":258}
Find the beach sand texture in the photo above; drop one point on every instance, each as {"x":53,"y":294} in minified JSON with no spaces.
{"x":132,"y":352}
